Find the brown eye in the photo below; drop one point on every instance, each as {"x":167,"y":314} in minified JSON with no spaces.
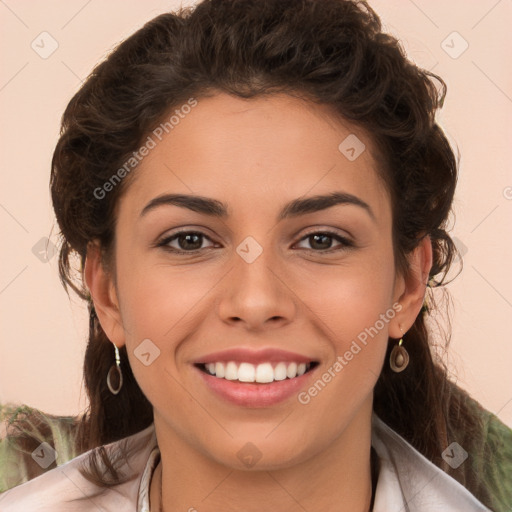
{"x":191,"y":241}
{"x":186,"y":241}
{"x":322,"y":241}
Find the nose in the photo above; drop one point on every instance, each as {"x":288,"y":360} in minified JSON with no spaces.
{"x":257,"y":295}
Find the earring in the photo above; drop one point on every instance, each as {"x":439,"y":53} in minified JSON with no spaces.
{"x":399,"y":357}
{"x":116,"y":367}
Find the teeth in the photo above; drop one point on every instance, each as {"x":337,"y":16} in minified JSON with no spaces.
{"x":262,"y":373}
{"x":291,"y":370}
{"x":246,"y":372}
{"x":231,"y":371}
{"x":218,"y":370}
{"x":280,"y":371}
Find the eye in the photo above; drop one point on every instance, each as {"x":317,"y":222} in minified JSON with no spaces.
{"x":321,"y":241}
{"x":187,"y":241}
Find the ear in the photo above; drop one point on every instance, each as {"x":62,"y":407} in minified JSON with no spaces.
{"x":104,"y":296}
{"x":410,"y":289}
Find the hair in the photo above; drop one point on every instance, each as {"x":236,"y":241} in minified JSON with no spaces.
{"x":329,"y":52}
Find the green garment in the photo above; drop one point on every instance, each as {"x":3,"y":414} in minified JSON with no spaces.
{"x":487,"y":472}
{"x":490,"y":460}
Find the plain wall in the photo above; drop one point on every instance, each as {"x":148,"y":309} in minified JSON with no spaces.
{"x":43,"y":333}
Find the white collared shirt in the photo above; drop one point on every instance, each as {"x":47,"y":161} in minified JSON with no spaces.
{"x":407,"y":482}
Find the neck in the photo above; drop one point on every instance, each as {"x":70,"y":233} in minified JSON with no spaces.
{"x":337,"y":479}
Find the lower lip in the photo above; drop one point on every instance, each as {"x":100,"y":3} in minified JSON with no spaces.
{"x":253,"y":394}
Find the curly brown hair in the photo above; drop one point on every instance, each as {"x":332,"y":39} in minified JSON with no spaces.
{"x":331,"y":52}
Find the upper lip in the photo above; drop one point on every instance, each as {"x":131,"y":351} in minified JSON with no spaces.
{"x":246,"y":355}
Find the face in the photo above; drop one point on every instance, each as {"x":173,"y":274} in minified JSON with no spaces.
{"x":254,"y":282}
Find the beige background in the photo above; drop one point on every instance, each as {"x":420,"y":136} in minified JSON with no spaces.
{"x":43,"y":333}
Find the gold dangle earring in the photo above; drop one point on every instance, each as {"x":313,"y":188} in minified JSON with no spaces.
{"x":399,"y":357}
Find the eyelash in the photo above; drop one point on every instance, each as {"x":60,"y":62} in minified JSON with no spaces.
{"x":346,"y":243}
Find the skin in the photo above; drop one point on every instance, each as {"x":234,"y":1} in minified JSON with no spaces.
{"x":255,"y":156}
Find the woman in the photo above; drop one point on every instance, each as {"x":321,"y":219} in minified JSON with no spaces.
{"x":258,"y":193}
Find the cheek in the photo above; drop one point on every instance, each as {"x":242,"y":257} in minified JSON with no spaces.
{"x":163,"y":306}
{"x":161,"y":302}
{"x":352,"y":307}
{"x":348,"y":298}
{"x":159,"y":311}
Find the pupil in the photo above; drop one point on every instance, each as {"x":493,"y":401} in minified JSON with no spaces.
{"x":324,"y":237}
{"x":186,"y":238}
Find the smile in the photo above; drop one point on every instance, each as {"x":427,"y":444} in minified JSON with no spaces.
{"x":255,"y":378}
{"x":262,"y":373}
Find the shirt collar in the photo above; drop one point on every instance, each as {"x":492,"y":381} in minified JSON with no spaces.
{"x":409,"y":482}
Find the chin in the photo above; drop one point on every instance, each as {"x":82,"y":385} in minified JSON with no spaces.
{"x":263,"y":454}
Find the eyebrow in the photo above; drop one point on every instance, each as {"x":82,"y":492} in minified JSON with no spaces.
{"x":295,"y":208}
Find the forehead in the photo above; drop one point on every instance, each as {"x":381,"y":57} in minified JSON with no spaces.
{"x":259,"y":152}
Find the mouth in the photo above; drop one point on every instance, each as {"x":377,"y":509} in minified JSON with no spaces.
{"x":261,"y":384}
{"x":262,"y":373}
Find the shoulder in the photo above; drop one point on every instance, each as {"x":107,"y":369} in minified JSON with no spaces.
{"x":408,"y":479}
{"x":66,"y":489}
{"x":491,"y":456}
